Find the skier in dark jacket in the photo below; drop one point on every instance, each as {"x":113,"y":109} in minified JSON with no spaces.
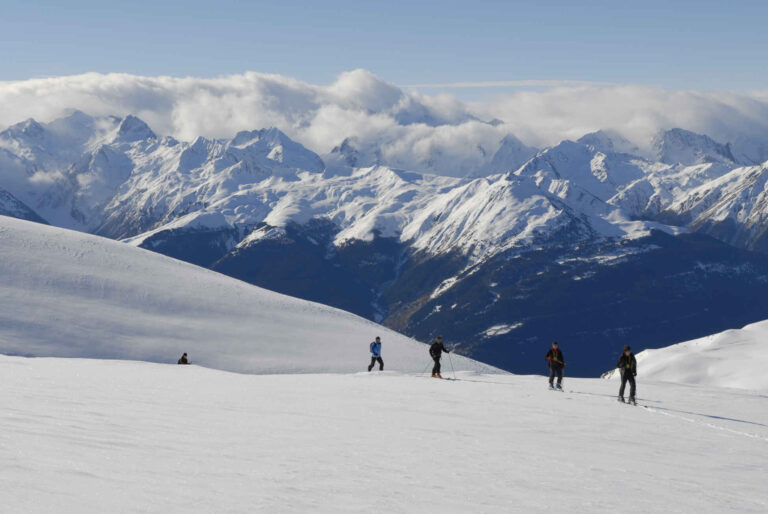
{"x":183,"y":359}
{"x":376,"y":355}
{"x":556,"y":363}
{"x":436,"y":351}
{"x":628,"y":369}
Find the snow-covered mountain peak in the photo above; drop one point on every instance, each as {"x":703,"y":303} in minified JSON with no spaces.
{"x":347,"y":152}
{"x":29,"y":128}
{"x":77,"y":122}
{"x":679,"y":146}
{"x":512,"y":154}
{"x":194,"y":155}
{"x":268,"y":136}
{"x":25,"y":138}
{"x":277,"y":149}
{"x":132,"y":129}
{"x":348,"y":155}
{"x":37,"y":146}
{"x":609,"y":141}
{"x":583,"y":166}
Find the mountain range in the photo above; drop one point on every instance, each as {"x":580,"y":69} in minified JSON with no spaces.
{"x":593,"y":242}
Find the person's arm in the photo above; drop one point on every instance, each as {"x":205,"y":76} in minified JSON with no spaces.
{"x":444,"y":348}
{"x":619,"y":364}
{"x":634,"y":366}
{"x":562,"y":358}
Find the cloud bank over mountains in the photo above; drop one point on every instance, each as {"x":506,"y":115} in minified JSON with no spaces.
{"x":399,"y":126}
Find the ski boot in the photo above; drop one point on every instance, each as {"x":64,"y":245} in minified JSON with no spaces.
{"x":632,"y":400}
{"x":551,"y":387}
{"x":559,"y":387}
{"x":439,"y":375}
{"x":621,"y":399}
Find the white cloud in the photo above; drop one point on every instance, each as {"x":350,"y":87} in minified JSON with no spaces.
{"x":508,"y":83}
{"x":638,"y":112}
{"x":410,"y":128}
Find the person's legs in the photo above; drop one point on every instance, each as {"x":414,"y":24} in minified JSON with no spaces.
{"x":632,"y":387}
{"x":551,"y":376}
{"x":623,"y":383}
{"x":436,"y":367}
{"x":381,"y":363}
{"x":373,"y":361}
{"x":559,"y":376}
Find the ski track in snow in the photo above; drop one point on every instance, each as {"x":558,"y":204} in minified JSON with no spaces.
{"x":79,"y":435}
{"x":668,"y":412}
{"x":710,"y":425}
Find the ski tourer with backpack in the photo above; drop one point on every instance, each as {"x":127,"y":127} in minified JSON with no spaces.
{"x":556,"y":363}
{"x":627,"y":366}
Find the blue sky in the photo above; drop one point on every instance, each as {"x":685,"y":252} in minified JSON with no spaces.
{"x":673,"y":44}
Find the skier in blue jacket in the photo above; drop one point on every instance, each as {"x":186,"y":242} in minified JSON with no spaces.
{"x":376,"y":355}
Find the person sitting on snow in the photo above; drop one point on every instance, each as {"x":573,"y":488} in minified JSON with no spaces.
{"x":183,"y":359}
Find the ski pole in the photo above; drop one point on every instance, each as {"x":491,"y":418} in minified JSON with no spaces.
{"x":451,"y":361}
{"x":425,"y":368}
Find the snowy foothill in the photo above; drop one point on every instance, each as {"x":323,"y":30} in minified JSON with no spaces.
{"x":80,"y":435}
{"x":734,"y":358}
{"x":68,"y":294}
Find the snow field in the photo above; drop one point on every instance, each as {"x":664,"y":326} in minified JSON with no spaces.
{"x":118,"y":436}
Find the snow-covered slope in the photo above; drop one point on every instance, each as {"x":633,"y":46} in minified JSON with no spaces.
{"x":734,"y":358}
{"x":113,"y":436}
{"x":65,"y":293}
